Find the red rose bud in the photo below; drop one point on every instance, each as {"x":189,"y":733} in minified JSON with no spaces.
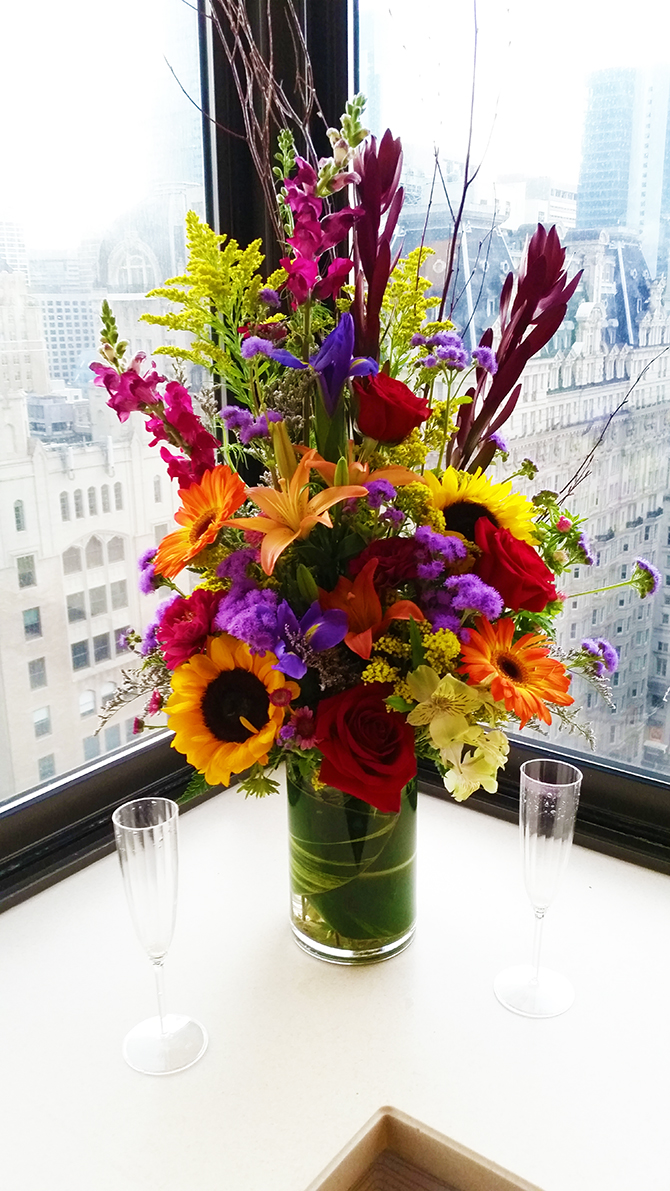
{"x":514,"y":568}
{"x":387,"y":409}
{"x":368,"y":751}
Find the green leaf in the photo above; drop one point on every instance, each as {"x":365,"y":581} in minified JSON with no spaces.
{"x":397,"y":703}
{"x":418,"y":652}
{"x":195,"y":788}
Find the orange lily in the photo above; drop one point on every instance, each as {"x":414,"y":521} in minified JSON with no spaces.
{"x":291,"y":513}
{"x":362,"y":605}
{"x":359,"y":473}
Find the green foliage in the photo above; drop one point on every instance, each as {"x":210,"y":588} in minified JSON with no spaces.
{"x":404,"y":308}
{"x":352,"y":130}
{"x":258,"y":784}
{"x":218,"y":294}
{"x":285,"y":157}
{"x":195,"y":788}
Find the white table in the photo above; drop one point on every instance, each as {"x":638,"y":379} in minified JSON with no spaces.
{"x":303,"y":1052}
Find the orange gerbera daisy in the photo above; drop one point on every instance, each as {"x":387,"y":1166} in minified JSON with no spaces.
{"x":519,"y":673}
{"x":205,"y":508}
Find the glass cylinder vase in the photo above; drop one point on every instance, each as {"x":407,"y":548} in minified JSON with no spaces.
{"x":352,"y":870}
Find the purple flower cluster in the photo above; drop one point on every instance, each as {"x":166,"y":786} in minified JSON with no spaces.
{"x":149,"y":640}
{"x":486,"y":358}
{"x":245,"y":425}
{"x":607,"y":658}
{"x":380,"y":492}
{"x":645,"y":577}
{"x":585,"y":546}
{"x":460,"y":595}
{"x":147,"y":578}
{"x":251,"y":616}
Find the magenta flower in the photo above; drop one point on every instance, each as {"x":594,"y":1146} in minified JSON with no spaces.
{"x":186,"y":624}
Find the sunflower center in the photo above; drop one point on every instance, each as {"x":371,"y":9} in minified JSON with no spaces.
{"x":202,"y":524}
{"x":231,"y":697}
{"x":510,"y":668}
{"x":462,"y":517}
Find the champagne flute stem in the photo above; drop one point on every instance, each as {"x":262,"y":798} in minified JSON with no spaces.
{"x":537,"y":944}
{"x":160,"y":991}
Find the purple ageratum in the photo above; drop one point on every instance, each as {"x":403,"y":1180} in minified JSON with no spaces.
{"x":645,"y":578}
{"x":453,"y":357}
{"x":446,"y":339}
{"x":380,"y":492}
{"x":147,"y":581}
{"x":252,"y":617}
{"x":430,"y":361}
{"x":605,"y":655}
{"x":245,"y":425}
{"x":149,"y":640}
{"x":449,"y":547}
{"x":253,"y":345}
{"x":417,"y":340}
{"x":235,"y":566}
{"x":585,"y":546}
{"x":486,"y":359}
{"x":395,"y":517}
{"x":299,"y":640}
{"x":470,"y":594}
{"x":270,"y":297}
{"x":499,"y":443}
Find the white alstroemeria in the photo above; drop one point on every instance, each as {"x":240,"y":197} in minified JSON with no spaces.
{"x":466,"y":772}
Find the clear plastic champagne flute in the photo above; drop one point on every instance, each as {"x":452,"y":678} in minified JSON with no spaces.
{"x":549,"y":796}
{"x":146,"y":841}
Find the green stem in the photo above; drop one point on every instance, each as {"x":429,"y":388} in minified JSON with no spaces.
{"x":307,"y":397}
{"x":574,"y":595}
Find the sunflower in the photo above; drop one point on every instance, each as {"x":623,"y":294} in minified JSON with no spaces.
{"x":519,"y":673}
{"x":205,"y":507}
{"x":463,"y":498}
{"x":226,"y":708}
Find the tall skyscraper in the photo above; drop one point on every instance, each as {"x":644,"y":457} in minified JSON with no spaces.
{"x":625,"y":174}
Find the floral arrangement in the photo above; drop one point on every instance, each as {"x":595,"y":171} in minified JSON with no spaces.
{"x":368,"y":595}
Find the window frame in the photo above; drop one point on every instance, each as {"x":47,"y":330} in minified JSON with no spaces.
{"x":58,"y":827}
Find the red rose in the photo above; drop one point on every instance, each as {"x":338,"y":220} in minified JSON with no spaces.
{"x":514,"y":568}
{"x":368,"y":751}
{"x":387,"y":409}
{"x":186,"y":625}
{"x":396,"y":559}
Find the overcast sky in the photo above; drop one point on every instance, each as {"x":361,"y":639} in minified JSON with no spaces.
{"x":81,"y":79}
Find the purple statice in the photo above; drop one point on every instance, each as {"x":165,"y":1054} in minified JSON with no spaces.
{"x":270,"y":297}
{"x":380,"y":492}
{"x":645,"y":577}
{"x":252,"y":617}
{"x":486,"y":358}
{"x":585,"y":546}
{"x":448,"y":546}
{"x":147,"y":580}
{"x":149,"y":640}
{"x":499,"y":443}
{"x":299,"y":640}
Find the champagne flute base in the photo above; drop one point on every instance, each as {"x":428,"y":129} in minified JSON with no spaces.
{"x":180,"y":1045}
{"x":546,"y":995}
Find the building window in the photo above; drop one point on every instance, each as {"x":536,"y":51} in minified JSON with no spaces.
{"x":113,"y":737}
{"x":101,"y":647}
{"x":115,"y":550}
{"x":87,"y":703}
{"x":119,"y":593}
{"x":64,"y":506}
{"x":157,"y":490}
{"x":624,"y":572}
{"x":72,"y":560}
{"x":37,"y":673}
{"x":46,"y":767}
{"x":42,"y":721}
{"x":19,"y":515}
{"x":107,"y":693}
{"x":662,"y":667}
{"x":104,"y":497}
{"x":78,"y":503}
{"x":76,"y":607}
{"x":98,"y":600}
{"x":91,"y":747}
{"x":573,"y":630}
{"x":26,"y":571}
{"x":32,"y":623}
{"x":92,"y":502}
{"x":118,"y":496}
{"x":79,"y":652}
{"x":159,"y":533}
{"x":94,"y":554}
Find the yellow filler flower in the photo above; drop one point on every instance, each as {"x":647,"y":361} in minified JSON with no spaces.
{"x":291,"y":513}
{"x":227,"y":707}
{"x":463,"y":497}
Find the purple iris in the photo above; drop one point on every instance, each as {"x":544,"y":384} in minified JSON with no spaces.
{"x":334,"y":362}
{"x":298,"y":640}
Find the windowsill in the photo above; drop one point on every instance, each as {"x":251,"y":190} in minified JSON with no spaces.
{"x":302,"y":1053}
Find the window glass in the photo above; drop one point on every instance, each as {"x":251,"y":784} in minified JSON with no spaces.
{"x":32,"y":623}
{"x":87,"y":703}
{"x":91,"y":747}
{"x":46,"y":767}
{"x":37,"y":673}
{"x":42,"y":721}
{"x":98,"y":598}
{"x":68,"y":239}
{"x":101,"y":647}
{"x":112,"y":737}
{"x":589,"y":154}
